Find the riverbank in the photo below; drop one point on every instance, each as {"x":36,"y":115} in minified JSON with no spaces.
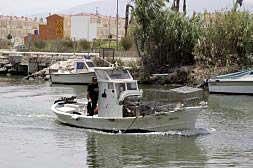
{"x":35,"y":65}
{"x":185,"y":75}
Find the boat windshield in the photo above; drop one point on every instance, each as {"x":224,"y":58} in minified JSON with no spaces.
{"x":119,"y":74}
{"x":80,"y":65}
{"x":90,"y":64}
{"x":120,"y":88}
{"x":132,"y":86}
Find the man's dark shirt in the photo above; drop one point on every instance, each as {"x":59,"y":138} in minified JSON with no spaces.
{"x":93,"y":91}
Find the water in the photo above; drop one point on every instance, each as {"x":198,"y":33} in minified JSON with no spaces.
{"x":30,"y":137}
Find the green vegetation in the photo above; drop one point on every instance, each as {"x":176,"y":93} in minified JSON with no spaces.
{"x":4,"y":44}
{"x":68,"y":45}
{"x":83,"y":45}
{"x":126,"y":42}
{"x":167,"y":39}
{"x":39,"y":44}
{"x":226,"y":40}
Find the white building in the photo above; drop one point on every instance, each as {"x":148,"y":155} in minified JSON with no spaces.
{"x":91,"y":26}
{"x":83,"y":27}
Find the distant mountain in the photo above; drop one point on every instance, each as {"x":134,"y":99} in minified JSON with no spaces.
{"x":103,"y":7}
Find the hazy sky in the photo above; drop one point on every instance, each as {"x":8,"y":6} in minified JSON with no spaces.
{"x":29,"y":7}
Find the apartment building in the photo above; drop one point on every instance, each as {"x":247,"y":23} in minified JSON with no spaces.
{"x":18,"y":27}
{"x":80,"y":26}
{"x":95,"y":26}
{"x":107,"y":25}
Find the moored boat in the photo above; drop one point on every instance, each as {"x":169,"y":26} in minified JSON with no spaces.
{"x":81,"y":73}
{"x":120,"y":108}
{"x":233,"y":83}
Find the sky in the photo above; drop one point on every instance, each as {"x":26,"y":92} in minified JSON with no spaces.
{"x":30,"y":7}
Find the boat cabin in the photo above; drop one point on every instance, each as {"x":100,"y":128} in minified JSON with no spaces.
{"x":115,"y":85}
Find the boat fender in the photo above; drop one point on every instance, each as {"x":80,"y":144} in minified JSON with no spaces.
{"x":104,"y":94}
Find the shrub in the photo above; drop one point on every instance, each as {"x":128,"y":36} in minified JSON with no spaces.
{"x":39,"y":44}
{"x":226,"y":39}
{"x":83,"y":45}
{"x":126,"y":43}
{"x":4,"y":44}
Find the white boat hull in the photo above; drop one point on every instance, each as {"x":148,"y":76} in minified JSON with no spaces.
{"x":183,"y":119}
{"x":74,"y":78}
{"x":232,"y":87}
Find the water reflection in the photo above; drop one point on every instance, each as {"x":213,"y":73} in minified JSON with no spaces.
{"x":71,"y":143}
{"x":143,"y":151}
{"x":232,"y":117}
{"x":231,"y":107}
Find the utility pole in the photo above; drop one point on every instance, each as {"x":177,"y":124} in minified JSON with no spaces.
{"x":117,"y":22}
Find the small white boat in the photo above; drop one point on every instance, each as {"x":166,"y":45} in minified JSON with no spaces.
{"x":233,"y":83}
{"x":81,"y":73}
{"x":120,"y":109}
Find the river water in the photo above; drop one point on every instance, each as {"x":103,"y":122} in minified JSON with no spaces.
{"x":30,"y":137}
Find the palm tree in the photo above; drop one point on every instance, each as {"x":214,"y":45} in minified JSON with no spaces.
{"x":184,"y":7}
{"x":237,"y":2}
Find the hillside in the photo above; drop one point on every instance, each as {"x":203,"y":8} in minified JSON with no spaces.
{"x":104,"y":7}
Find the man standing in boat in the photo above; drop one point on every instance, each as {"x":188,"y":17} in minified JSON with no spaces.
{"x":92,"y":95}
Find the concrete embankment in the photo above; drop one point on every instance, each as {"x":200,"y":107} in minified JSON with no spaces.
{"x":26,"y":63}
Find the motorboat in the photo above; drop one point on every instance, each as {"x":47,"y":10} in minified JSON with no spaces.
{"x":120,"y":108}
{"x":81,"y":72}
{"x":232,"y":83}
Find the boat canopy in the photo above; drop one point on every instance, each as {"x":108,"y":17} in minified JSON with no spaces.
{"x":115,"y":85}
{"x":112,"y":74}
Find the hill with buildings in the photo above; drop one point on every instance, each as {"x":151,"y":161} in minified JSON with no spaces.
{"x":102,"y":7}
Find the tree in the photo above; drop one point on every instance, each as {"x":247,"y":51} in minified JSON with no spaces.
{"x":164,"y":38}
{"x":237,"y":2}
{"x":176,"y":6}
{"x":9,"y":36}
